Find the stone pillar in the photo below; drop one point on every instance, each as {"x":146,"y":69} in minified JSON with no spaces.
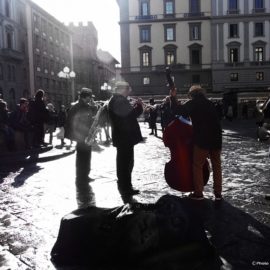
{"x":220,"y":7}
{"x":214,"y":38}
{"x":246,"y":42}
{"x":246,"y":6}
{"x":221,"y":42}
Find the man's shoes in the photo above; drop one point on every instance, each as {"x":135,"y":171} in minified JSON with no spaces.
{"x":218,"y":197}
{"x":196,"y":197}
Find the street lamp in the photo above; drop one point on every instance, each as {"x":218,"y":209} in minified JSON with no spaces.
{"x":105,"y":88}
{"x":68,"y":75}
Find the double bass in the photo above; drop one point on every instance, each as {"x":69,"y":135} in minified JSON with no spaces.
{"x":178,"y":137}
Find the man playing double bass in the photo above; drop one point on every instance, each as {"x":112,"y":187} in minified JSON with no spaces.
{"x":207,"y":135}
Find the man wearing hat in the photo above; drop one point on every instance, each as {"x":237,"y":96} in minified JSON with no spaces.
{"x":126,"y":134}
{"x":207,"y":136}
{"x":79,"y":120}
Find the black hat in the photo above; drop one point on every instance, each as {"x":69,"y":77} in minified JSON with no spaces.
{"x":86,"y":92}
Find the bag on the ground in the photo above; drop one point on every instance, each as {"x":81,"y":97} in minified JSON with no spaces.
{"x":166,"y":234}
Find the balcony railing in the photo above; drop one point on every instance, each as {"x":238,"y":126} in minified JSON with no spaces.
{"x":258,"y":10}
{"x":169,"y":16}
{"x":162,"y":68}
{"x":235,"y":64}
{"x":12,"y":54}
{"x":147,"y":17}
{"x":233,"y":11}
{"x":194,"y":14}
{"x":260,"y":63}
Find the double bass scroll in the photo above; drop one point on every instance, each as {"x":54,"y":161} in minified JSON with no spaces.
{"x":169,"y":78}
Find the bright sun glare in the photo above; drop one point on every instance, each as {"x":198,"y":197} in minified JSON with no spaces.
{"x":103,"y":13}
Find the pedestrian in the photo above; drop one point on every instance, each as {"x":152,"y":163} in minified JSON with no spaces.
{"x":19,"y":122}
{"x":266,"y":112}
{"x":38,"y":115}
{"x":7,"y":132}
{"x":126,"y":134}
{"x":152,"y":117}
{"x":79,"y":120}
{"x":262,"y":114}
{"x":259,"y":116}
{"x":61,"y":121}
{"x":219,"y":109}
{"x":104,"y":124}
{"x":207,"y":135}
{"x":51,"y":121}
{"x":229,"y":114}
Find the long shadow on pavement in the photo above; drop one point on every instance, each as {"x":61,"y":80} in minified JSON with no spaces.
{"x":239,"y":238}
{"x":26,"y":173}
{"x":240,"y":128}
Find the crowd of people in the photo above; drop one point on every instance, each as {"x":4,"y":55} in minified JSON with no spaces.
{"x":32,"y":118}
{"x":25,"y":127}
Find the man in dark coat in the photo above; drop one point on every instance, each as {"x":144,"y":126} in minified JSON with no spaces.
{"x":207,"y":139}
{"x":79,"y":120}
{"x":126,"y":134}
{"x":38,"y":115}
{"x":153,"y":117}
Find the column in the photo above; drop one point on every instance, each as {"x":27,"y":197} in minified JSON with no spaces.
{"x":221,"y":42}
{"x":246,"y":41}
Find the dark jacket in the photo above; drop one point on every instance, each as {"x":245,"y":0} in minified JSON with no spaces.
{"x":168,"y":110}
{"x":18,"y":120}
{"x":79,"y":120}
{"x":61,"y":118}
{"x":205,"y":120}
{"x":3,"y":118}
{"x":37,"y":114}
{"x":267,"y":111}
{"x":125,"y":128}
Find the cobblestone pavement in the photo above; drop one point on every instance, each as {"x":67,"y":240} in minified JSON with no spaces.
{"x":34,"y":198}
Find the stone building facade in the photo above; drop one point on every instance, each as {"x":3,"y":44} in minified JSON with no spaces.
{"x":160,"y":33}
{"x":50,"y":50}
{"x":222,"y":45}
{"x":240,"y":31}
{"x":93,"y":67}
{"x":85,"y":41}
{"x":14,"y":82}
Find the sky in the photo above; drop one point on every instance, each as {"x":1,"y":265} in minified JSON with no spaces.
{"x":103,"y":13}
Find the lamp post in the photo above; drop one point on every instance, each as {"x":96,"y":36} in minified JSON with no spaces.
{"x":68,"y":75}
{"x":105,"y":88}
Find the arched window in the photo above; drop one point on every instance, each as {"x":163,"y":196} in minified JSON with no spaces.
{"x":234,"y":52}
{"x":9,"y":40}
{"x":259,"y":50}
{"x":145,"y":56}
{"x":9,"y":36}
{"x":170,"y":54}
{"x":195,"y":54}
